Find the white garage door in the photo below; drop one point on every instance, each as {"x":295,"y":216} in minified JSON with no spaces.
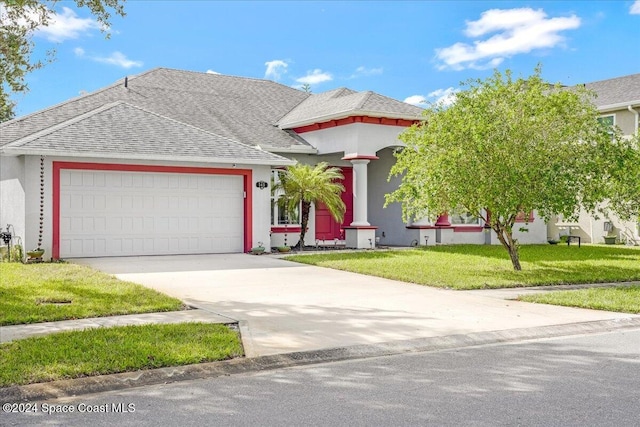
{"x":106,"y":213}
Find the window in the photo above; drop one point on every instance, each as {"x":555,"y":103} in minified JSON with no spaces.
{"x":463,"y":218}
{"x":280,"y":215}
{"x":608,"y":122}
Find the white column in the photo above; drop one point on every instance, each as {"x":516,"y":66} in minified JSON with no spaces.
{"x":360,"y":192}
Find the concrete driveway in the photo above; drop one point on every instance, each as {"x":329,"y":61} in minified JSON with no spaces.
{"x":285,"y":306}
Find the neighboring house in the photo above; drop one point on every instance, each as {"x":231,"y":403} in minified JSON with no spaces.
{"x":177,"y":162}
{"x":618,"y":101}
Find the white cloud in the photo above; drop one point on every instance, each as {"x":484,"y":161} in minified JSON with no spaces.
{"x":67,"y":25}
{"x":314,"y":77}
{"x":635,"y":8}
{"x":443,"y":97}
{"x":517,"y":31}
{"x":118,"y":59}
{"x":364,"y":72}
{"x":417,"y":100}
{"x":212,"y":72}
{"x":275,"y":69}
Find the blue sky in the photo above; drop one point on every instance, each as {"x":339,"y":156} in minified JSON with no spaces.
{"x":414,"y":51}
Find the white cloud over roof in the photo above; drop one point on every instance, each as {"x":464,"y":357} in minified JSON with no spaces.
{"x":511,"y":31}
{"x":314,"y":77}
{"x":275,"y":69}
{"x":417,"y":100}
{"x":67,"y":25}
{"x":118,"y":59}
{"x":444,"y":97}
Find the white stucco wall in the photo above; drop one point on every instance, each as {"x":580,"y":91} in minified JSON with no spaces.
{"x":360,"y":138}
{"x":32,"y":204}
{"x":12,"y":196}
{"x":624,"y":119}
{"x":261,"y":198}
{"x":261,"y":205}
{"x":537,"y":231}
{"x":592,"y":228}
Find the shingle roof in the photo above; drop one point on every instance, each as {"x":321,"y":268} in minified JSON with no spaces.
{"x":237,"y":108}
{"x":227,"y":109}
{"x":345,"y":102}
{"x":138,"y":134}
{"x":616,"y":91}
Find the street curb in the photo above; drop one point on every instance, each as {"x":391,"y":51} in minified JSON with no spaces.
{"x":102,"y":383}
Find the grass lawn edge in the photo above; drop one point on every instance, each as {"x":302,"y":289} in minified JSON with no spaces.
{"x":111,"y":350}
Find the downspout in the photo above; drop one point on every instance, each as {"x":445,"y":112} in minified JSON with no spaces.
{"x":630,"y":108}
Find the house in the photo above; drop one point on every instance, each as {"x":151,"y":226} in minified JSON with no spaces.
{"x":618,"y":101}
{"x":178,"y":162}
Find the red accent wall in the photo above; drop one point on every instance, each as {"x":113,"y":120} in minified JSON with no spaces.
{"x":58,"y":166}
{"x":355,"y":119}
{"x":326,"y":227}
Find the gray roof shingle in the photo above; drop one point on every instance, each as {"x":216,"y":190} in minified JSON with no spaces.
{"x":138,"y":134}
{"x":616,"y":91}
{"x":237,"y":108}
{"x":345,"y":102}
{"x":229,"y":110}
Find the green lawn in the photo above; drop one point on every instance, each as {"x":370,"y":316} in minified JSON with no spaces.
{"x":110,"y":350}
{"x":57,"y":291}
{"x":480,"y":266}
{"x":625,"y":299}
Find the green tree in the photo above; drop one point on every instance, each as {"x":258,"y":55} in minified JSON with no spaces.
{"x":304,"y":185}
{"x":19,"y":19}
{"x":504,"y":148}
{"x":623,"y":193}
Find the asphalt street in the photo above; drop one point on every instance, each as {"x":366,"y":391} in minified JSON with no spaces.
{"x":578,"y":381}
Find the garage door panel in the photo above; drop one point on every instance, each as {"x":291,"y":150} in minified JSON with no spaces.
{"x":109,"y":213}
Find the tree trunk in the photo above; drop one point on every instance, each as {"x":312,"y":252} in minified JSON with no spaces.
{"x":506,"y":238}
{"x":515,"y":257}
{"x":306,"y":207}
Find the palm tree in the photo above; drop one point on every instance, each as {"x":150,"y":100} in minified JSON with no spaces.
{"x":306,"y":184}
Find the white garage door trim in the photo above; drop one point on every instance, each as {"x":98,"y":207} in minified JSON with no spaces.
{"x":195,"y":210}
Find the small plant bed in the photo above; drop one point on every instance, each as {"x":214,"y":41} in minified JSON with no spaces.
{"x":625,"y":299}
{"x":48,"y":292}
{"x":101,"y":351}
{"x":481,"y":266}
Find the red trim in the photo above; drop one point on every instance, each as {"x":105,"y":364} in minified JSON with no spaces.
{"x":360,"y":157}
{"x":467,"y":229}
{"x":58,"y":166}
{"x":356,"y":119}
{"x":360,"y":227}
{"x":422,"y":227}
{"x":292,"y":229}
{"x":443,"y":220}
{"x":55,"y":205}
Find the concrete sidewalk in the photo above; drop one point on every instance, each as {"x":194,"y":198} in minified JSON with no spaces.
{"x":14,"y":332}
{"x":287,"y":307}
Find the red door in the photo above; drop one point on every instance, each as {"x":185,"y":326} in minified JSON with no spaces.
{"x":326,"y":227}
